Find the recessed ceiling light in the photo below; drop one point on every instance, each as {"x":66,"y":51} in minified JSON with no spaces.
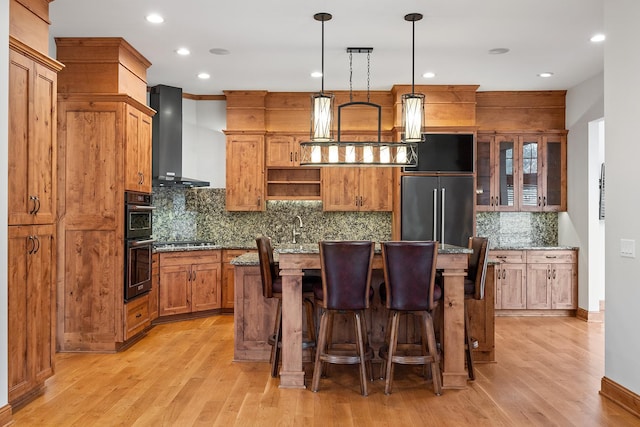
{"x":183,"y":51}
{"x":154,"y":18}
{"x":498,"y":51}
{"x":204,"y":76}
{"x":596,"y":38}
{"x":429,"y":75}
{"x":219,"y":51}
{"x":316,"y":74}
{"x":545,"y":74}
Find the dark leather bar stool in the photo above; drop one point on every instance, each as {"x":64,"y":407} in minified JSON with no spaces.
{"x":346,"y":285}
{"x":272,"y":288}
{"x":409,"y":281}
{"x":474,"y":284}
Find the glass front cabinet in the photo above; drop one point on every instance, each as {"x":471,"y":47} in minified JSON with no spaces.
{"x":521,"y":172}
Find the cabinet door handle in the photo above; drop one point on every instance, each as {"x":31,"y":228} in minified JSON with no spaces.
{"x":194,"y":276}
{"x":548,"y":272}
{"x":37,"y":244}
{"x":544,"y":200}
{"x":504,"y":274}
{"x":554,"y":274}
{"x":539,"y":201}
{"x":290,"y":156}
{"x":36,"y":205}
{"x":33,"y":245}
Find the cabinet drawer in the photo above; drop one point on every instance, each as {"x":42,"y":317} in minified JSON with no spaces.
{"x":551,"y":257}
{"x":190,"y":257}
{"x":136,"y":316}
{"x":508,"y":257}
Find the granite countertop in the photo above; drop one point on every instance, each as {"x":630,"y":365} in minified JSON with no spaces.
{"x":307,"y":248}
{"x":534,"y":248}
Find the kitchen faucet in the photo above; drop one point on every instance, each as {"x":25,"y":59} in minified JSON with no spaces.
{"x":293,"y":231}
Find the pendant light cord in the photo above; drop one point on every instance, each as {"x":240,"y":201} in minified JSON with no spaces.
{"x":413,"y":56}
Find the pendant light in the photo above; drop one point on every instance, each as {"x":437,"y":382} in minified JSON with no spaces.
{"x":322,"y":102}
{"x":413,"y":103}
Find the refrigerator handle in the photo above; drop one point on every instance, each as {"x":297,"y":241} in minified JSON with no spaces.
{"x":435,"y":213}
{"x":442,"y":220}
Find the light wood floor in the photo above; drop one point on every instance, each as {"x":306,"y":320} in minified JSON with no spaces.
{"x":547,"y":374}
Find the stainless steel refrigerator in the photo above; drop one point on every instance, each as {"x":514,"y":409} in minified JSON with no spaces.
{"x":437,"y":208}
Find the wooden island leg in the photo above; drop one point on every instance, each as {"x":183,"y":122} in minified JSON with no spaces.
{"x":291,"y":372}
{"x":454,"y":375}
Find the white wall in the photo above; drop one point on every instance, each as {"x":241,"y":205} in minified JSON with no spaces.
{"x":585,"y":103}
{"x":4,"y":153}
{"x":203,"y":143}
{"x":622,"y":151}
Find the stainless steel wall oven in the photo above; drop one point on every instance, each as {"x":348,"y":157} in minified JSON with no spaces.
{"x":138,"y":244}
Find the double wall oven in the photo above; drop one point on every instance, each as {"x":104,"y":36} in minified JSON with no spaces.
{"x":138,"y":244}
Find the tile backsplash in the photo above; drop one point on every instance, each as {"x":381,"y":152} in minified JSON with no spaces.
{"x":199,"y":214}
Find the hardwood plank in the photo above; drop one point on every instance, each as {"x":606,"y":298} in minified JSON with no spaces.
{"x":547,"y":372}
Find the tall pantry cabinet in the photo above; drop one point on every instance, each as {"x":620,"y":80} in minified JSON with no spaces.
{"x":31,"y":201}
{"x":104,"y":149}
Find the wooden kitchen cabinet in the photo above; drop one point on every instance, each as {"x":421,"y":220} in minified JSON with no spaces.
{"x":137,"y":151}
{"x":31,"y":309}
{"x":32,"y":134}
{"x":496,"y":167}
{"x":510,"y":279}
{"x":536,"y":279}
{"x":552,"y":280}
{"x":190,"y":281}
{"x":544,"y":172}
{"x":245,"y":172}
{"x":357,"y":189}
{"x":103,"y":126}
{"x":137,"y":317}
{"x":228,"y":277}
{"x":521,"y":171}
{"x":31,"y":210}
{"x":154,"y":293}
{"x":283,"y":150}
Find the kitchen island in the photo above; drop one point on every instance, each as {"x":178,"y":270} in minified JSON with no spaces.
{"x":254,"y":316}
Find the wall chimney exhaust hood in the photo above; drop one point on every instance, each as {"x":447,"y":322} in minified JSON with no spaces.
{"x":167,"y":138}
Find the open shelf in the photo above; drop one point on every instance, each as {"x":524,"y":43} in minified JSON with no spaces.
{"x":293,"y":183}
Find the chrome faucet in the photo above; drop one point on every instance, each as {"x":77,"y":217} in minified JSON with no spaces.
{"x":293,"y":231}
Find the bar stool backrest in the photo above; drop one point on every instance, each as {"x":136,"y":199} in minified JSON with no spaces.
{"x":478,"y":264}
{"x":409,"y":274}
{"x":267,"y":265}
{"x":346,"y":274}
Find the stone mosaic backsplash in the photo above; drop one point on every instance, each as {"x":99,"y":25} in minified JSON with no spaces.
{"x":199,"y":214}
{"x":518,"y":229}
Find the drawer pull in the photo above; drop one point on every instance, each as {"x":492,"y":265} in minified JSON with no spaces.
{"x":551,"y":256}
{"x":139,"y":315}
{"x":501,"y":256}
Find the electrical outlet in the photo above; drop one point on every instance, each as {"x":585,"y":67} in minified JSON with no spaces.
{"x":628,"y":248}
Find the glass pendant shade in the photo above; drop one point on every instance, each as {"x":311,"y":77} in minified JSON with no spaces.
{"x":412,"y":116}
{"x":322,"y":117}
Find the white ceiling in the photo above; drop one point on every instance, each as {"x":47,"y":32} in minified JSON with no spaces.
{"x":275,"y":45}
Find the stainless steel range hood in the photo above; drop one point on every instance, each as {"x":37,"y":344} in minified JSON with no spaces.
{"x":167,"y":138}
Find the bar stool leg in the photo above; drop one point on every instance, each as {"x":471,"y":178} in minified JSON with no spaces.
{"x":277,"y":340}
{"x":361,"y":352}
{"x":320,"y":349}
{"x":433,"y":350}
{"x":393,"y":343}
